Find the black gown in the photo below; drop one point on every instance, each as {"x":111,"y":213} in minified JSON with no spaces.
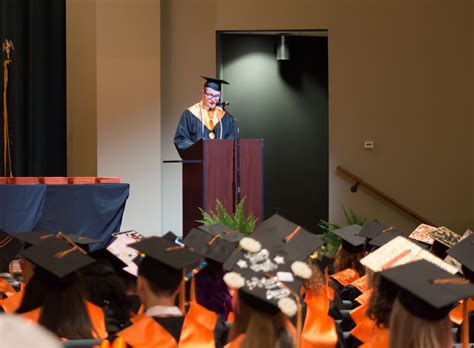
{"x":190,"y":130}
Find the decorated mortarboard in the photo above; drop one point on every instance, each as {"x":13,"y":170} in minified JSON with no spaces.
{"x":372,"y":229}
{"x":214,"y":243}
{"x":280,"y":233}
{"x":444,"y":239}
{"x":121,"y":250}
{"x":167,"y":252}
{"x":57,"y":256}
{"x":215,"y":84}
{"x":269,"y":280}
{"x":9,"y":248}
{"x":426,"y":290}
{"x":463,"y":252}
{"x":35,"y":237}
{"x":422,"y":234}
{"x":385,"y":237}
{"x":351,"y":241}
{"x":400,"y":251}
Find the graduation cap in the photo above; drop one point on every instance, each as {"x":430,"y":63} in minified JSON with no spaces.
{"x":352,"y":242}
{"x":385,"y":237}
{"x":214,"y":243}
{"x":104,"y":254}
{"x":122,"y":251}
{"x":264,"y":279}
{"x":35,"y":237}
{"x":421,"y":234}
{"x":9,"y":248}
{"x":444,"y":239}
{"x":279,"y":233}
{"x":427,"y":291}
{"x":400,"y":251}
{"x":167,"y":252}
{"x":57,"y":256}
{"x":372,"y":229}
{"x":214,"y":83}
{"x":463,"y":253}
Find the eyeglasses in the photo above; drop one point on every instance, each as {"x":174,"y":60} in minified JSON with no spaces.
{"x":212,"y":96}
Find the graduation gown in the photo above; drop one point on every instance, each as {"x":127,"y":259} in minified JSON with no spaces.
{"x":191,"y":129}
{"x":195,"y":329}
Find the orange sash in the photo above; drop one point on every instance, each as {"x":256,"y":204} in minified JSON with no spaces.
{"x":197,"y":331}
{"x":12,"y":303}
{"x":345,"y":277}
{"x":456,"y":313}
{"x":358,"y":314}
{"x":360,"y":284}
{"x":209,"y":117}
{"x":319,"y":329}
{"x":95,"y":314}
{"x":379,"y":339}
{"x":364,"y":329}
{"x":6,"y":288}
{"x":364,"y":297}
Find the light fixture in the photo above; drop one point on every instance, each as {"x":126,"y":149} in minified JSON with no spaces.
{"x":283,"y":51}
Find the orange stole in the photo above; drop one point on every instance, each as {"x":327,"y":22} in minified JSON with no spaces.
{"x":364,"y":297}
{"x":456,"y":313}
{"x":364,"y":329}
{"x":319,"y":329}
{"x":6,"y":288}
{"x":379,"y":339}
{"x":197,"y":331}
{"x":95,"y":314}
{"x":345,"y":277}
{"x":12,"y":303}
{"x":358,"y":314}
{"x":198,"y":110}
{"x":360,"y":283}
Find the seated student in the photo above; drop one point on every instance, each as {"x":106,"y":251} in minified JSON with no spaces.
{"x":347,"y":265}
{"x":268,"y":285}
{"x":54,"y":296}
{"x":420,"y":314}
{"x":9,"y":248}
{"x":463,"y":252}
{"x":160,"y":280}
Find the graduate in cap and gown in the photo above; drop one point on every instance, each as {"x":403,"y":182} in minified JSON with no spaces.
{"x":9,"y":248}
{"x":54,"y":297}
{"x":160,"y":281}
{"x":205,"y":119}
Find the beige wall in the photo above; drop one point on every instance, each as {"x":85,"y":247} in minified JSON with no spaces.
{"x":124,"y":72}
{"x":400,"y":73}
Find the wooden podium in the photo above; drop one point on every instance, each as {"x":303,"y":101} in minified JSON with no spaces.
{"x":211,"y":172}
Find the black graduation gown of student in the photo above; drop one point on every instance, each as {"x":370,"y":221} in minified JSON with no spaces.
{"x":191,"y":129}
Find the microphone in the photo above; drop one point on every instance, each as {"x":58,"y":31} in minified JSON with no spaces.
{"x":223,"y":104}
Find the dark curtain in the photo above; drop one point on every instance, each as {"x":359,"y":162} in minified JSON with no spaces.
{"x":37,"y":86}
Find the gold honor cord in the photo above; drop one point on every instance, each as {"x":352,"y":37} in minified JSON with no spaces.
{"x":7,"y":46}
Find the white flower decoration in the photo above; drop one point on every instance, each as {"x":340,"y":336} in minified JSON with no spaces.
{"x":251,"y":245}
{"x":301,"y":269}
{"x":234,"y":280}
{"x":287,"y":306}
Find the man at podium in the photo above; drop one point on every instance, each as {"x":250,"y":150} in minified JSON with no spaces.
{"x":205,"y":119}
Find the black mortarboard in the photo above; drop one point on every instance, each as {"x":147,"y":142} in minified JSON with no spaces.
{"x":9,"y":248}
{"x":426,"y":290}
{"x":118,"y":264}
{"x":217,"y":245}
{"x":351,"y":241}
{"x":443,"y":240}
{"x":385,"y":237}
{"x":463,"y":252}
{"x":35,"y":237}
{"x":278,"y":233}
{"x":57,"y":256}
{"x":372,"y":229}
{"x":166,"y":252}
{"x":170,"y":236}
{"x":213,"y":83}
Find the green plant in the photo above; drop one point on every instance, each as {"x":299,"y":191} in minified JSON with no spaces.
{"x":332,"y":241}
{"x":237,"y":221}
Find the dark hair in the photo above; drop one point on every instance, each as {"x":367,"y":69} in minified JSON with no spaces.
{"x":345,"y":259}
{"x":381,"y":301}
{"x":106,"y":289}
{"x":62,"y":303}
{"x":161,"y":278}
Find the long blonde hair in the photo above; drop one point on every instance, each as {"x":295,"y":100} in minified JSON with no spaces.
{"x":407,"y":330}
